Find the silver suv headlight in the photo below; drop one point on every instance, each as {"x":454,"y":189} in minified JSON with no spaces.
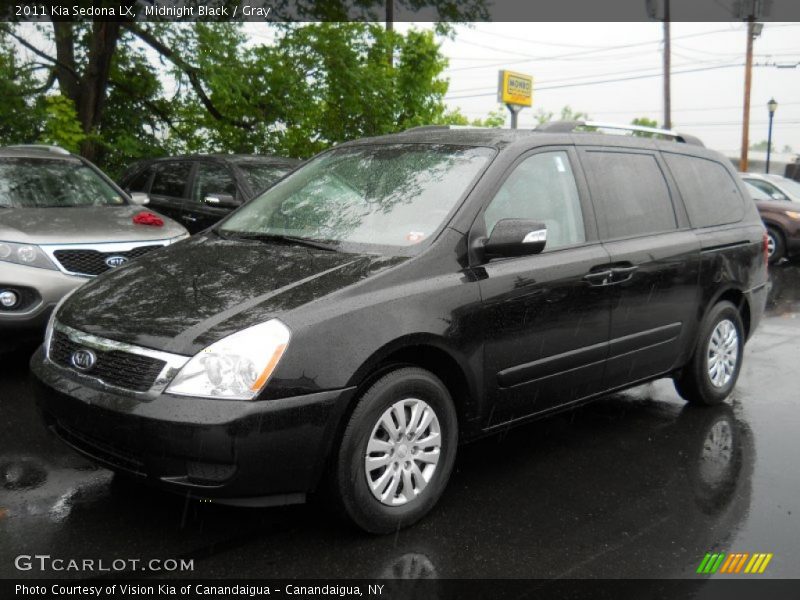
{"x":25,"y":254}
{"x":236,"y":367}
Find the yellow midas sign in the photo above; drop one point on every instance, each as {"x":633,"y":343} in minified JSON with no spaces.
{"x":515,"y":88}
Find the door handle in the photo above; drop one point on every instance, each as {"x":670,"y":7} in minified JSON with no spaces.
{"x":189,"y":218}
{"x":623,"y":274}
{"x":599,"y":278}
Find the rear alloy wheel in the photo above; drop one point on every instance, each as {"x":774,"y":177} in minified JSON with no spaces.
{"x":397,"y":451}
{"x":776,"y":248}
{"x":712,"y":372}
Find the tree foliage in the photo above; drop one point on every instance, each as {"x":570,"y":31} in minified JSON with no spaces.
{"x":567,"y":114}
{"x":124,"y":91}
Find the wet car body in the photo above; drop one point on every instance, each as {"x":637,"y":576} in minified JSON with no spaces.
{"x":512,"y":339}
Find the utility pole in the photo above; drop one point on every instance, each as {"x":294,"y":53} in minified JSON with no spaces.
{"x":667,"y":69}
{"x":748,"y":79}
{"x":390,"y":28}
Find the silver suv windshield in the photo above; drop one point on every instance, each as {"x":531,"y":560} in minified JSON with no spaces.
{"x":378,"y":195}
{"x":46,"y":183}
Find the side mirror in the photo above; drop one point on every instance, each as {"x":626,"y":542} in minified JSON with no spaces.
{"x":516,"y":237}
{"x":140,"y":198}
{"x":222,"y":201}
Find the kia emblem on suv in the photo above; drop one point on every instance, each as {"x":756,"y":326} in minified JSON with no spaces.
{"x":83,"y":359}
{"x":116,"y":261}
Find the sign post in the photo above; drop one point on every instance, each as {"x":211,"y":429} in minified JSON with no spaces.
{"x":515,"y":90}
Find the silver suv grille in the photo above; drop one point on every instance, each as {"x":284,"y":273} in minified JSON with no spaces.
{"x":86,"y":261}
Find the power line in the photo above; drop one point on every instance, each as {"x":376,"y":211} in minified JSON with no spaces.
{"x":579,"y":84}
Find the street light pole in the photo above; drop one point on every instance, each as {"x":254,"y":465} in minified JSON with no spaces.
{"x":772,"y":106}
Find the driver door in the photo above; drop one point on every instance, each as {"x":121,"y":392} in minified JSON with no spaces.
{"x":547,"y":325}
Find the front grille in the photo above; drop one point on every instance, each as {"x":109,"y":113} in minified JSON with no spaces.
{"x":102,"y":451}
{"x":114,"y":367}
{"x":93,"y":262}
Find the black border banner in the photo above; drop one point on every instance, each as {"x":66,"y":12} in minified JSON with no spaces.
{"x":740,"y":588}
{"x":287,"y":11}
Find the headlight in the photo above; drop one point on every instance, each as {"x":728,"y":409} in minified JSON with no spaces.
{"x":25,"y":254}
{"x":236,"y":367}
{"x":792,"y":214}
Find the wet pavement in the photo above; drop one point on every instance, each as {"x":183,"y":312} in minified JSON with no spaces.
{"x":635,"y":485}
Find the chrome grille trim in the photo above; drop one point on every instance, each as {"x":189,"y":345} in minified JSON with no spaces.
{"x":110,"y":247}
{"x":172,"y":362}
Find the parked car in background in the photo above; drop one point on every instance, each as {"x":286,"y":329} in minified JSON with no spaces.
{"x":395,"y":295}
{"x":782,"y":220}
{"x":199,"y":190}
{"x":61,"y":221}
{"x":774,"y":186}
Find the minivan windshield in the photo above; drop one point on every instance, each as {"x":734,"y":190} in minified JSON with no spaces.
{"x":394,"y":195}
{"x":46,"y":183}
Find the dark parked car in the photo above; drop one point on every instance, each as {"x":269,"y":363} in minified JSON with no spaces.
{"x":782,"y":220}
{"x":199,"y":190}
{"x":395,"y":296}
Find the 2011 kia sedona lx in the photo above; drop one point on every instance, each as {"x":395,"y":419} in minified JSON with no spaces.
{"x":395,"y":296}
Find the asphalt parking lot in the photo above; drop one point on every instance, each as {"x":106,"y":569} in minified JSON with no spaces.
{"x":635,"y":485}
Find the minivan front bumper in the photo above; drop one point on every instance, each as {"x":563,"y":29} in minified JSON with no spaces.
{"x":229,"y":451}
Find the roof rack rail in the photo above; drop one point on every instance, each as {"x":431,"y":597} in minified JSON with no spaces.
{"x":570,"y":126}
{"x":43,"y":147}
{"x":444,"y":127}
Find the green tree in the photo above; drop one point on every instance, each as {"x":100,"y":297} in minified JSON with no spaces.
{"x":644,"y":122}
{"x":762,"y":146}
{"x":494,"y":118}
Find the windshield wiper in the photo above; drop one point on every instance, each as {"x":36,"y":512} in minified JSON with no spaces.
{"x":280,"y":239}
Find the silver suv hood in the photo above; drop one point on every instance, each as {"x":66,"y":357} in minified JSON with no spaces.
{"x":81,"y":225}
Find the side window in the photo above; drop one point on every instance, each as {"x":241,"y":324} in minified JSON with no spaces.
{"x":630,"y":194}
{"x":141,"y":181}
{"x":170,"y":179}
{"x":212,"y":179}
{"x":755,"y":192}
{"x":708,"y":190}
{"x":541,"y":188}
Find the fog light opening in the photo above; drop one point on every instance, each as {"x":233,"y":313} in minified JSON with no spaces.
{"x":8,"y":299}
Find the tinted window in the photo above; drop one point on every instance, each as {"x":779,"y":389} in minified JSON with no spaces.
{"x":260,"y":176}
{"x":212,"y":179}
{"x":708,"y":190}
{"x":755,"y":192}
{"x":171,"y":179}
{"x":630,"y":194}
{"x":541,"y":188}
{"x":140,"y":182}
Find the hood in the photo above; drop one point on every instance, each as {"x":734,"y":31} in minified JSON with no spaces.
{"x":778,"y":205}
{"x":185,"y":296}
{"x":84,"y":224}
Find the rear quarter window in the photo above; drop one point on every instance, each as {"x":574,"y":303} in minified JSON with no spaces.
{"x":710,"y":192}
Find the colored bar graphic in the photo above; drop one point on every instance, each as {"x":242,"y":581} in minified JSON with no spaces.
{"x":734,"y":563}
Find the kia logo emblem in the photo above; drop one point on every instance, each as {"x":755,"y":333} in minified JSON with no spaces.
{"x":83,"y":359}
{"x":116,"y":261}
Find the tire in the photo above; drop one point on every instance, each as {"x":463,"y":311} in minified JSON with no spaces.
{"x":695,"y":383}
{"x":393,"y":460}
{"x":777,"y":243}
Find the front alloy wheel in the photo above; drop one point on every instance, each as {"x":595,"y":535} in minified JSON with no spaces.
{"x":723,"y":353}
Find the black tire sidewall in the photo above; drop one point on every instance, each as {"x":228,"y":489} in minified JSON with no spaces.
{"x":709,"y":393}
{"x":351,"y":480}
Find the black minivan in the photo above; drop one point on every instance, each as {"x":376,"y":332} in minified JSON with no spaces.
{"x":395,"y":296}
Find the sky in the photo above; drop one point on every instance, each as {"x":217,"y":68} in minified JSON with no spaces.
{"x":568,"y":59}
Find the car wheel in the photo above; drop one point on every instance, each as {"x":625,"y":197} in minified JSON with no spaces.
{"x":712,"y":372}
{"x":776,"y":247}
{"x":397,"y":451}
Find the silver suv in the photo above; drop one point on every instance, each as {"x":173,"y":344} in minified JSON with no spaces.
{"x":62,"y":221}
